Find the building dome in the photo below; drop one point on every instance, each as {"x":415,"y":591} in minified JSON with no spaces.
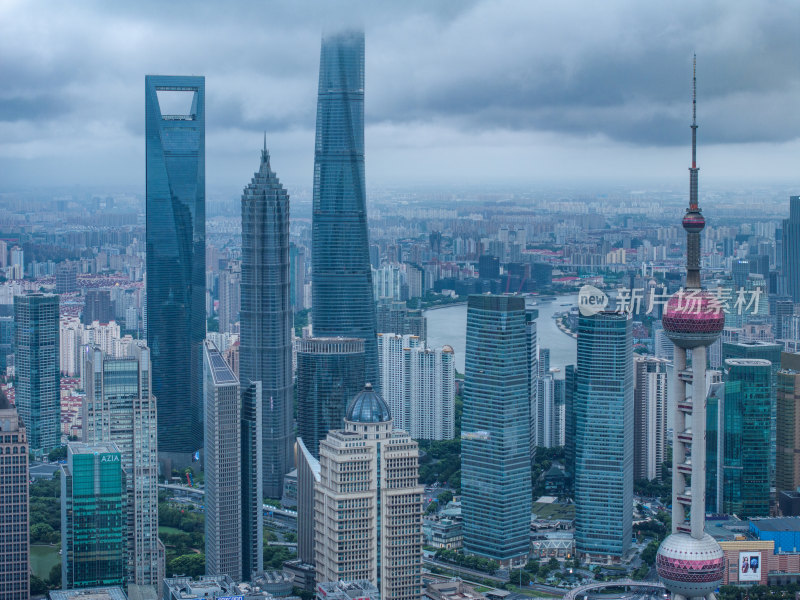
{"x":690,"y":567}
{"x":368,"y":407}
{"x":693,"y":318}
{"x":693,"y":221}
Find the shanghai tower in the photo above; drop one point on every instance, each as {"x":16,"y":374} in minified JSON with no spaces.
{"x":342,"y":298}
{"x":265,"y":352}
{"x":176,"y":259}
{"x":689,"y":561}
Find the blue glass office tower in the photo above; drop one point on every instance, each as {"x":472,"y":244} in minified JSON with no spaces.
{"x":36,"y":363}
{"x":495,"y":447}
{"x":791,"y":249}
{"x":176,"y":246}
{"x":746,"y":472}
{"x":603,"y":414}
{"x":265,"y":353}
{"x":342,"y":297}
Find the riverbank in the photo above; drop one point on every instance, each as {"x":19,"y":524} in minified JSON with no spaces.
{"x":563,"y":328}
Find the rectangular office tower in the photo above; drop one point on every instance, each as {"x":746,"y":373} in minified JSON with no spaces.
{"x":265,"y":351}
{"x":93,"y":536}
{"x":223,"y":506}
{"x":603,"y":406}
{"x":791,"y":249}
{"x":233,"y":470}
{"x":36,"y":361}
{"x":341,"y":275}
{"x":120,"y":408}
{"x":495,"y":456}
{"x":787,"y":469}
{"x":330,"y":372}
{"x":14,"y":567}
{"x":746,"y":472}
{"x":176,"y":259}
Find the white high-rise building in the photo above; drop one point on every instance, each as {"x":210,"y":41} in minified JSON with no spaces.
{"x":418,"y":384}
{"x":368,"y":503}
{"x":120,"y":409}
{"x":548,"y":413}
{"x":223,"y":443}
{"x":650,"y":416}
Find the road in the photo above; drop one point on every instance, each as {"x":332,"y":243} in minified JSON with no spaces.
{"x":582,"y":590}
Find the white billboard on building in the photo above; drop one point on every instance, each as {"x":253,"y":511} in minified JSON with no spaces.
{"x":749,"y":566}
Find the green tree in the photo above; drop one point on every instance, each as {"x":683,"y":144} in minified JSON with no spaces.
{"x":38,"y":586}
{"x":445,"y":497}
{"x":192,"y":565}
{"x":59,"y":453}
{"x":54,"y":578}
{"x":43,"y":533}
{"x":519,"y":577}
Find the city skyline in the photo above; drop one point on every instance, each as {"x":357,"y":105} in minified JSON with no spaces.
{"x":594,"y":100}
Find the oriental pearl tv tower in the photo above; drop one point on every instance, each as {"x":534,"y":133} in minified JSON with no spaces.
{"x":690,"y":562}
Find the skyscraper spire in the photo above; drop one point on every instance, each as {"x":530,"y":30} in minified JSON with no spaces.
{"x":693,"y":221}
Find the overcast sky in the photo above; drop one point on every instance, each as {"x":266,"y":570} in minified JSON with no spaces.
{"x":477,"y":92}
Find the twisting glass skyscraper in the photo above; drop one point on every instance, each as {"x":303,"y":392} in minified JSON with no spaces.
{"x":266,"y":318}
{"x":176,"y":259}
{"x":495,"y":458}
{"x":342,"y":295}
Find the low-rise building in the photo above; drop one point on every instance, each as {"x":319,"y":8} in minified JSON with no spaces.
{"x":211,"y":587}
{"x":451,"y":590}
{"x":441,"y":532}
{"x":347,"y":590}
{"x":95,"y":593}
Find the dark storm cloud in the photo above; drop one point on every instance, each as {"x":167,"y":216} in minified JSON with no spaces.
{"x":618,"y":71}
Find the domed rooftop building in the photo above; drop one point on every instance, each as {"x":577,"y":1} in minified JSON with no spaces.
{"x":369,"y":415}
{"x":368,"y":407}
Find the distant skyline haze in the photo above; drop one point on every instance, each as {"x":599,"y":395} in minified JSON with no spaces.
{"x":458,"y":93}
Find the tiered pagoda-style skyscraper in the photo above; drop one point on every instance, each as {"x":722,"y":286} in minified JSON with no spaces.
{"x":266,"y":319}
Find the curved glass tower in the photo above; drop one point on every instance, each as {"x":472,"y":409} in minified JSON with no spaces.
{"x":176,"y":260}
{"x":265,"y":352}
{"x":342,"y":297}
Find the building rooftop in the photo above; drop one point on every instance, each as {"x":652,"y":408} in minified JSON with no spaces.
{"x":99,"y":448}
{"x":368,"y":407}
{"x":777,"y":524}
{"x":98,"y":593}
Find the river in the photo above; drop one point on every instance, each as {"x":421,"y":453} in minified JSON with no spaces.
{"x":448,"y":325}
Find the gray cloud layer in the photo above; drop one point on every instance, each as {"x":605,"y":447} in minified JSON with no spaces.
{"x":523,"y":81}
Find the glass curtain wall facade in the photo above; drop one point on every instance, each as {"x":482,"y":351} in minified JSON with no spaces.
{"x":330,"y":372}
{"x":36,"y":362}
{"x":495,"y":459}
{"x":120,"y":408}
{"x":747,"y":435}
{"x":342,"y":295}
{"x":791,"y":249}
{"x":265,"y":351}
{"x":603,"y":405}
{"x":176,"y":251}
{"x":93,"y":540}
